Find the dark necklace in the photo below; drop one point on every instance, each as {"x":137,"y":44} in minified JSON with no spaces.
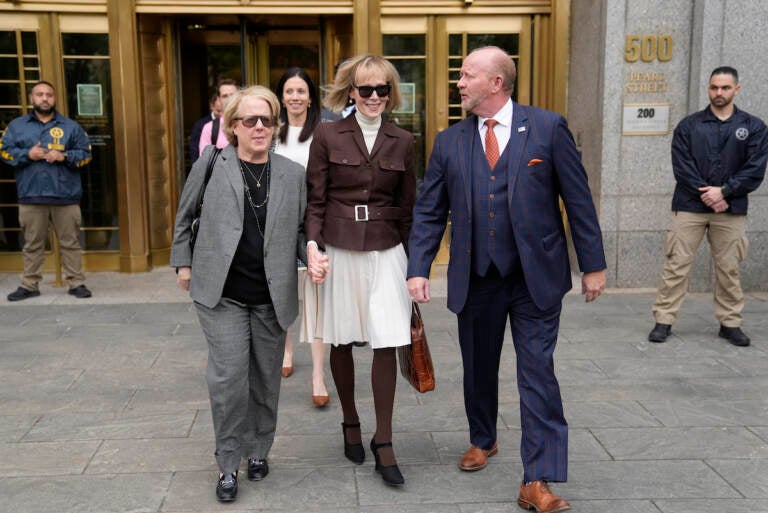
{"x":265,"y":171}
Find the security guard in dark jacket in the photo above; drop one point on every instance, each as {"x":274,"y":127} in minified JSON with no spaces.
{"x":718,"y":156}
{"x":47,"y":151}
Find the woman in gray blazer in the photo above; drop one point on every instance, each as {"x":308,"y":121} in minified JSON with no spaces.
{"x":242,"y":277}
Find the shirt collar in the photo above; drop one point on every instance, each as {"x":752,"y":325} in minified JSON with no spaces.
{"x":710,"y":116}
{"x":32,"y":117}
{"x":503,"y":116}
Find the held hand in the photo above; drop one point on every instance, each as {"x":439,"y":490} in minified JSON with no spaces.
{"x":711,"y":195}
{"x":54,"y":156}
{"x":183,"y":277}
{"x":592,"y":285}
{"x":318,"y":265}
{"x":418,"y":289}
{"x":37,"y":152}
{"x":720,"y":206}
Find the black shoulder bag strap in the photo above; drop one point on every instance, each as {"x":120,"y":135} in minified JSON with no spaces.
{"x":215,"y":130}
{"x":208,"y":172}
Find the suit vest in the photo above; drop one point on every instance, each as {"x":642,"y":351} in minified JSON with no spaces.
{"x":493,"y":238}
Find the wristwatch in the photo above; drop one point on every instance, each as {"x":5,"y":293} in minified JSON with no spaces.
{"x":725,"y":191}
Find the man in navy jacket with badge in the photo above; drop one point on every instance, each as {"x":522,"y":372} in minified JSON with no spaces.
{"x":47,"y":151}
{"x":719,"y":156}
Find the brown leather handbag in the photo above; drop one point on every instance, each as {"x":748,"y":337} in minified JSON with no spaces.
{"x":415,"y":359}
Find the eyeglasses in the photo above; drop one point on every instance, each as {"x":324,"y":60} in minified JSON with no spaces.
{"x":365,"y":91}
{"x":250,"y":121}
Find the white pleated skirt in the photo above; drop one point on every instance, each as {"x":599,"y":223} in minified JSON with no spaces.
{"x":363,"y":298}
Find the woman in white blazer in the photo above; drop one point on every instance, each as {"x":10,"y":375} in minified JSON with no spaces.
{"x":242,"y":277}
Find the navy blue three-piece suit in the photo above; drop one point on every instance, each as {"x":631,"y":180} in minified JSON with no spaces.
{"x":509,"y":259}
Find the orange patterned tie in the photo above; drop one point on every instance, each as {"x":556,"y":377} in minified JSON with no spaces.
{"x":491,"y":144}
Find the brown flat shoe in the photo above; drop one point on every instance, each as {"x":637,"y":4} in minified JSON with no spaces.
{"x":537,"y":496}
{"x":286,"y":371}
{"x":476,"y":458}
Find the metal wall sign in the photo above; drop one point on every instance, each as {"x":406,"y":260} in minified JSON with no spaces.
{"x":645,"y":119}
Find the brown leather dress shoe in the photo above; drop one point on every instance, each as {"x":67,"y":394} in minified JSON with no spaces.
{"x":476,"y":458}
{"x":539,"y":497}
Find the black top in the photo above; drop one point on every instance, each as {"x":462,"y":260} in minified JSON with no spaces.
{"x":709,"y":151}
{"x":247,"y":280}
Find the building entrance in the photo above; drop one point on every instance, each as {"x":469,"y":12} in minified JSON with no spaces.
{"x":252,"y":50}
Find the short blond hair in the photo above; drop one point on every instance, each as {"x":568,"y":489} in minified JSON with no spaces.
{"x":232,"y":110}
{"x":337,"y":95}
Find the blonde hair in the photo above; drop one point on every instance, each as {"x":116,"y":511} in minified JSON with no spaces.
{"x":232,"y":110}
{"x":337,"y":95}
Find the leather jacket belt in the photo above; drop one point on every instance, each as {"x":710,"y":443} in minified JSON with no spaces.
{"x":366,"y":213}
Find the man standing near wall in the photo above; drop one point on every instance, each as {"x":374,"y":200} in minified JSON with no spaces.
{"x":47,"y":151}
{"x":718,"y":157}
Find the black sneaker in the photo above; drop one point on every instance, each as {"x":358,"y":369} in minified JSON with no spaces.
{"x":226,"y":489}
{"x":80,"y":292}
{"x":257,"y":469}
{"x":21,"y":294}
{"x":359,"y":343}
{"x":734,"y":335}
{"x":660,"y":332}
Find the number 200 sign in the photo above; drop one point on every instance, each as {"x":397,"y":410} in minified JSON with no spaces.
{"x":648,"y":48}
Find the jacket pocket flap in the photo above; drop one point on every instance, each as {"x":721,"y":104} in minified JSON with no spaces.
{"x":344,"y":159}
{"x":392,"y":165}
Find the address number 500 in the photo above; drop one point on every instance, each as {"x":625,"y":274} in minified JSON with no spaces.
{"x":648,"y":48}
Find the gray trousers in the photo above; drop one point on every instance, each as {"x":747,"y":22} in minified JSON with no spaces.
{"x":245,"y":353}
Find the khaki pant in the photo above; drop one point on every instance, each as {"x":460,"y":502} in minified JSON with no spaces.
{"x":728,"y":245}
{"x":34,"y":221}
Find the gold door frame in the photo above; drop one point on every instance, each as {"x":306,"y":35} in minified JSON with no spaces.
{"x":50,"y":27}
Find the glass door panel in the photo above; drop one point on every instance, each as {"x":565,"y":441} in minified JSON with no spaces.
{"x":428,"y":51}
{"x":408,"y":54}
{"x":89,"y":102}
{"x":19,"y":69}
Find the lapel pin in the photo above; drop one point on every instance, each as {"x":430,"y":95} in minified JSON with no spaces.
{"x":520,"y":129}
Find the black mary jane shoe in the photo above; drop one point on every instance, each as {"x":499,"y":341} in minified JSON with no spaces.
{"x":390,"y":473}
{"x":226,"y":490}
{"x":257,"y":469}
{"x":354,"y":452}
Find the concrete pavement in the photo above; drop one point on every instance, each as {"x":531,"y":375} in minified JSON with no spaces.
{"x":103,"y":408}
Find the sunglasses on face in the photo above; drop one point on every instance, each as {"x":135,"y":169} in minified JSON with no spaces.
{"x":250,"y":121}
{"x":365,"y":91}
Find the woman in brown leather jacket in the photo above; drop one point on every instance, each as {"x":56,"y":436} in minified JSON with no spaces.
{"x":361,"y":189}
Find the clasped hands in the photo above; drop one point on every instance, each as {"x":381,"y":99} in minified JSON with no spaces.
{"x":318,"y":265}
{"x":37,"y":152}
{"x":713,"y":198}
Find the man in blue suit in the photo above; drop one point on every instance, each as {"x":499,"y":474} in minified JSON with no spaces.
{"x":499,"y":174}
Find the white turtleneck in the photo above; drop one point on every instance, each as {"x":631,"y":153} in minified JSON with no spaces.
{"x":370,"y":128}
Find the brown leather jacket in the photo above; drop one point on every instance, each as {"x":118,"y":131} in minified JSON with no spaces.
{"x":344,"y":182}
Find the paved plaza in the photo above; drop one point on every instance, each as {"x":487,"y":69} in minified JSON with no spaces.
{"x":104,"y":409}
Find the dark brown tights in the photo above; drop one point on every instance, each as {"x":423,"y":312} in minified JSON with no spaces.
{"x":383,"y":380}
